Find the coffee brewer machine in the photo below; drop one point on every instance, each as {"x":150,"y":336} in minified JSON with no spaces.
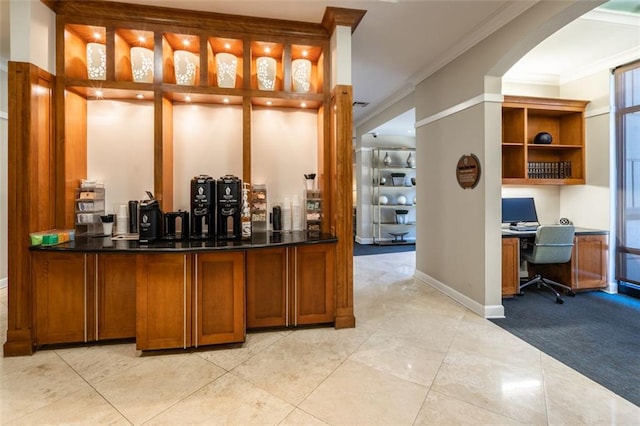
{"x":151,"y":220}
{"x":229,"y":195}
{"x":203,"y":199}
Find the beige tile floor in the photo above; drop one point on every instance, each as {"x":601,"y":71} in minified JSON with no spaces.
{"x":415,"y":357}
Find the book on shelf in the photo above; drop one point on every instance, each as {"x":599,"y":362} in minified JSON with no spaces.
{"x":549,"y":169}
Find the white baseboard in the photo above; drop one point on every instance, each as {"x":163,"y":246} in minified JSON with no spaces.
{"x":611,"y":288}
{"x":4,"y":282}
{"x":361,"y":240}
{"x":491,"y":311}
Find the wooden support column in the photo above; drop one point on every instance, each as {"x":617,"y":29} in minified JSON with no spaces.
{"x":338,"y":156}
{"x":341,"y":202}
{"x":31,"y":189}
{"x":163,"y":152}
{"x":246,"y":139}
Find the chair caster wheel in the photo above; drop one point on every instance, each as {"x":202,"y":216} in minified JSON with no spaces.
{"x":571,"y":294}
{"x":559,"y":301}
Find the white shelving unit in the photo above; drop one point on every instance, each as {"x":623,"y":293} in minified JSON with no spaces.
{"x":393,"y":195}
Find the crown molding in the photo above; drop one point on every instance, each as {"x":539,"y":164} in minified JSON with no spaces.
{"x":612,"y":17}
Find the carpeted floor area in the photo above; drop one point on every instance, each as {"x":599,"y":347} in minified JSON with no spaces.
{"x":367,"y":249}
{"x":595,"y":333}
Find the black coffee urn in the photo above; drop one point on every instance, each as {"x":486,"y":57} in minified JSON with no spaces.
{"x":203,"y":210}
{"x":171,"y":229}
{"x":151,"y":223}
{"x":229,"y":195}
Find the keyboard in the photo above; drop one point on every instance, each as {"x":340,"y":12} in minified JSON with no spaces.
{"x":524,"y":228}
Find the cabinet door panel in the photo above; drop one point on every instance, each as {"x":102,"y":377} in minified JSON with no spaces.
{"x":266,"y":287}
{"x":162,"y":301}
{"x":510,"y":266}
{"x":591,"y":262}
{"x":314,"y":284}
{"x":116,"y":296}
{"x":220,"y":299}
{"x":60,"y":297}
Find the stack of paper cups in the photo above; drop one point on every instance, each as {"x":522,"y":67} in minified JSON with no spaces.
{"x":286,"y":215}
{"x":296,"y":213}
{"x":122,"y":222}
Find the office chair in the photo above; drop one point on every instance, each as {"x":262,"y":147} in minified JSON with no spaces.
{"x":553,"y":244}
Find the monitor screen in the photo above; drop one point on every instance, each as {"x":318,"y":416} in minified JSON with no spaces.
{"x":515,"y":210}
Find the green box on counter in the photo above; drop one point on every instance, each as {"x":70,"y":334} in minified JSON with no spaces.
{"x":52,"y":237}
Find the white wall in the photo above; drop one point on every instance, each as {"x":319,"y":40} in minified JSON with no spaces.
{"x":588,"y":205}
{"x":284,"y":149}
{"x":458,"y":112}
{"x":120,"y":149}
{"x":33,"y":37}
{"x":207,"y":140}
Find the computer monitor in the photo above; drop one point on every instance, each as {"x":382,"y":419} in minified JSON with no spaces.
{"x":516,"y":210}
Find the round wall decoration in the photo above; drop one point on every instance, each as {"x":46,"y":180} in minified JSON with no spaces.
{"x":468,"y":171}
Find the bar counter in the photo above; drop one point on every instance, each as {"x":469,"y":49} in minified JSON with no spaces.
{"x":179,"y":294}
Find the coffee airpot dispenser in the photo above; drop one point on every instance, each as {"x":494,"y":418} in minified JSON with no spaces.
{"x":203,"y":207}
{"x":229,"y":196}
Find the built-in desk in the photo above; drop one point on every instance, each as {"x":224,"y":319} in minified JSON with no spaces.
{"x":587,"y":269}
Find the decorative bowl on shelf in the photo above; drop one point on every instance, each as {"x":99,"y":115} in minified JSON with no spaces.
{"x":383,"y":199}
{"x":301,"y":74}
{"x":96,"y":61}
{"x":398,"y":237}
{"x":185,"y":64}
{"x":226,"y":65}
{"x":543,"y":138}
{"x":266,"y":73}
{"x":142,"y":64}
{"x":401,"y":200}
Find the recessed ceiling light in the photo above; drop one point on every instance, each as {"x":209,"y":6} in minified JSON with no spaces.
{"x":269,"y":103}
{"x":267,"y":49}
{"x":98,"y":93}
{"x":187,"y":98}
{"x":141,"y":39}
{"x":185,"y":42}
{"x":305,"y":53}
{"x":140,"y":96}
{"x":303,"y":105}
{"x":227,"y":45}
{"x":225,"y":100}
{"x":96,"y":35}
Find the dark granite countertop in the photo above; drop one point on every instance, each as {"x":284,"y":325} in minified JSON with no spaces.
{"x":506,"y":233}
{"x":260,"y":240}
